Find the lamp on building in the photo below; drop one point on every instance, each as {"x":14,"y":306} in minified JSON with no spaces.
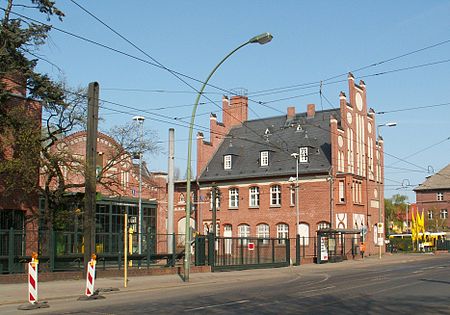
{"x":380,"y":224}
{"x":140,"y":120}
{"x":260,"y":39}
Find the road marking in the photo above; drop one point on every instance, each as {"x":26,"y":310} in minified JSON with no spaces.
{"x":216,"y":305}
{"x":315,"y":290}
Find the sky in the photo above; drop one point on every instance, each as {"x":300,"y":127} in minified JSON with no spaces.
{"x":402,"y":46}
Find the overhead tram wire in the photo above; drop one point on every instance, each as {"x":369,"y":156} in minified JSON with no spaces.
{"x":174,"y":73}
{"x":315,"y":83}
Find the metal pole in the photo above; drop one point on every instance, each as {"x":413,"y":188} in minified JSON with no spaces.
{"x":170,"y":190}
{"x":407,"y":214}
{"x":125,"y":251}
{"x":261,"y":39}
{"x":379,"y":193}
{"x":297,"y":212}
{"x":141,"y":216}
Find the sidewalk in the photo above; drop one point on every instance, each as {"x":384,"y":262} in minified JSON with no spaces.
{"x":63,"y":289}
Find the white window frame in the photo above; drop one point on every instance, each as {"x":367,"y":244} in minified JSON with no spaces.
{"x":275,"y":196}
{"x":253,"y":197}
{"x":233,"y":197}
{"x":263,"y":231}
{"x":217,"y":201}
{"x":282,"y":232}
{"x":323,"y":225}
{"x":227,"y":162}
{"x":292,"y":189}
{"x":264,"y":158}
{"x":444,"y":214}
{"x":430,"y":214}
{"x":303,"y":232}
{"x":244,"y":231}
{"x":303,"y":155}
{"x":440,"y":196}
{"x":341,"y":190}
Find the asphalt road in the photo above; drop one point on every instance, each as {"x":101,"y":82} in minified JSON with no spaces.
{"x":402,"y":288}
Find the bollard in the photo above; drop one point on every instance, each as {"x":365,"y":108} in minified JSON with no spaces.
{"x":90,"y":293}
{"x":33,"y":286}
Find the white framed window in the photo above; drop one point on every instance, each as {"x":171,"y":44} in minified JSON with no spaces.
{"x":303,"y":232}
{"x":227,"y":162}
{"x":282,"y":232}
{"x":264,"y":158}
{"x":263,"y":231}
{"x":293,"y":196}
{"x":275,"y":195}
{"x":233,"y":194}
{"x":217,"y":201}
{"x":444,"y":214}
{"x":430,"y":214}
{"x":440,"y":196}
{"x":303,"y":158}
{"x":253,"y":197}
{"x":323,"y":225}
{"x":244,"y":231}
{"x":341,"y":191}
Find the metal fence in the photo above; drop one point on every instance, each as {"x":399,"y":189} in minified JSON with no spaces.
{"x":64,"y":250}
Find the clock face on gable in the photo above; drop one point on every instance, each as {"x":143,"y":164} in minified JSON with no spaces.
{"x":359,"y":102}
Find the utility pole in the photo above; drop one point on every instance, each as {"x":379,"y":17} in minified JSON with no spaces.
{"x":170,"y":192}
{"x":140,"y":120}
{"x":331,"y":197}
{"x":214,"y":209}
{"x":90,"y":173}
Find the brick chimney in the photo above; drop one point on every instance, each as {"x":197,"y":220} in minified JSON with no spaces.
{"x":311,"y":111}
{"x":291,"y":112}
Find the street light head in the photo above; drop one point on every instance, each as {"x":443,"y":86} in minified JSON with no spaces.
{"x":292,"y":179}
{"x":294,"y":155}
{"x":262,"y":39}
{"x":389,"y":124}
{"x":139,"y":118}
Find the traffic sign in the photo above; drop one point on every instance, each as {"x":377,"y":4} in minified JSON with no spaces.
{"x":251,"y":246}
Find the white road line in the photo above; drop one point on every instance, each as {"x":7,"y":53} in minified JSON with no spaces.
{"x":216,"y":305}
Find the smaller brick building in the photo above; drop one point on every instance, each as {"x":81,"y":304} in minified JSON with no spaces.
{"x":433,"y":198}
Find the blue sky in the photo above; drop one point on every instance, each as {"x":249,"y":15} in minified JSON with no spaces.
{"x":313,"y":41}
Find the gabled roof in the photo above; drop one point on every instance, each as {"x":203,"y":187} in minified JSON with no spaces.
{"x":440,"y":180}
{"x":245,"y":143}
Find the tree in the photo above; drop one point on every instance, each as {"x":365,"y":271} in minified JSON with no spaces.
{"x":395,"y":211}
{"x":63,"y":110}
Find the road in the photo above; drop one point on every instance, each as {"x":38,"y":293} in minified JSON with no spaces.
{"x":421,"y":286}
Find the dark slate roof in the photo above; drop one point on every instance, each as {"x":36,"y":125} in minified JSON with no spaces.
{"x":281,"y":137}
{"x":440,"y":180}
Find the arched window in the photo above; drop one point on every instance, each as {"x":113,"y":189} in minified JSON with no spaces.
{"x":303,"y":231}
{"x":263,"y":231}
{"x":323,"y":225}
{"x":244,"y":231}
{"x":282,"y":232}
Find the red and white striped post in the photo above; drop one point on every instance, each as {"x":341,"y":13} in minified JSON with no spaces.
{"x":33,"y":279}
{"x":90,"y":277}
{"x":33,"y":286}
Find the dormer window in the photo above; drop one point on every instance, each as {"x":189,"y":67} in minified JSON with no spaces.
{"x":264,"y":158}
{"x":227,"y":162}
{"x":303,"y":158}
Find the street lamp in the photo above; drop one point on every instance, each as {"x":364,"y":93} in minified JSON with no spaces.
{"x":379,"y":225}
{"x":296,"y":156}
{"x":260,"y":39}
{"x":140,"y":121}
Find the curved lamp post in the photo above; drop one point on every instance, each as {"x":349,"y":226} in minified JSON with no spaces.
{"x":260,"y":39}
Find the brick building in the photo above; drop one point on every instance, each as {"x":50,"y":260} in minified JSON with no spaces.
{"x":340,"y":170}
{"x":433,"y":198}
{"x":19,"y":206}
{"x":117,"y":188}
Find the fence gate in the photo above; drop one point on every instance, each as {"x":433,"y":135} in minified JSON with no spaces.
{"x":225,"y":253}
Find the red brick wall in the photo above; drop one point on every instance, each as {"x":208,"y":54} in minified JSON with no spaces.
{"x":427,"y":200}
